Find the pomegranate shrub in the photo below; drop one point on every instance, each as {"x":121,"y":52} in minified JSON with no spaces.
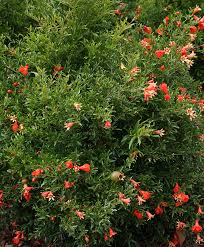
{"x":101,"y":127}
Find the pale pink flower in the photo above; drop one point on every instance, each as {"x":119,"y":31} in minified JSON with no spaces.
{"x":188,"y":62}
{"x":192,"y":36}
{"x":135,"y":70}
{"x":48,"y":195}
{"x":199,"y":240}
{"x":77,"y":106}
{"x":167,"y":50}
{"x":80,"y":214}
{"x":201,"y":137}
{"x":196,"y":9}
{"x":160,"y":132}
{"x":150,"y":91}
{"x":140,"y":200}
{"x":172,"y":43}
{"x":192,"y":55}
{"x":123,"y":198}
{"x":149,"y":215}
{"x":171,"y":244}
{"x":189,"y":46}
{"x":191,"y":113}
{"x":122,"y":66}
{"x":69,"y":125}
{"x":180,"y":225}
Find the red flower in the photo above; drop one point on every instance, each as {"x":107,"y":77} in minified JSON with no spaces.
{"x":162,"y":68}
{"x":177,"y":188}
{"x":147,"y":29}
{"x":193,"y":29}
{"x":164,"y":88}
{"x":117,"y":12}
{"x":37,"y":172}
{"x":9,"y":91}
{"x":69,"y":164}
{"x":86,"y":168}
{"x":158,"y":210}
{"x":196,"y":228}
{"x":159,"y":53}
{"x":106,"y":237}
{"x":180,"y":98}
{"x":159,"y":31}
{"x":15,"y":127}
{"x":138,"y":214}
{"x":166,"y":20}
{"x":68,"y":185}
{"x":201,"y":24}
{"x":167,"y":97}
{"x":182,"y":89}
{"x":57,"y":69}
{"x":26,"y":193}
{"x":180,"y":198}
{"x":15,"y":84}
{"x":17,"y":239}
{"x":107,"y":125}
{"x":111,"y":232}
{"x":24,"y":69}
{"x":145,"y":194}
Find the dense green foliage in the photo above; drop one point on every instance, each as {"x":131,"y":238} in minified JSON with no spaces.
{"x":91,"y":83}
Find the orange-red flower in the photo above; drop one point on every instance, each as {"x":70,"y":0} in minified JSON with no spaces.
{"x":164,"y":88}
{"x":68,"y":185}
{"x":196,"y":228}
{"x":193,"y":29}
{"x":69,"y":164}
{"x":167,"y":97}
{"x":177,"y":188}
{"x":57,"y":69}
{"x":162,"y":68}
{"x":37,"y":172}
{"x":15,"y":126}
{"x":159,"y":53}
{"x":17,"y":239}
{"x":158,"y":210}
{"x":86,"y":168}
{"x":147,"y":30}
{"x":107,"y":125}
{"x":24,"y":69}
{"x":180,"y":98}
{"x":112,"y":232}
{"x":145,"y":194}
{"x":159,"y":31}
{"x":138,"y":214}
{"x":26,"y":192}
{"x":166,"y":20}
{"x":180,"y":198}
